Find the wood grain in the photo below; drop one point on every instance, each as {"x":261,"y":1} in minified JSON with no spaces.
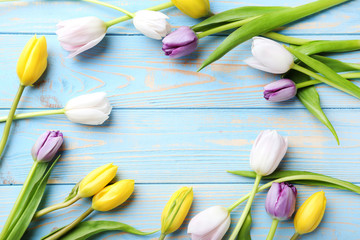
{"x":170,"y":125}
{"x":144,"y":209}
{"x":187,"y":145}
{"x":135,"y":73}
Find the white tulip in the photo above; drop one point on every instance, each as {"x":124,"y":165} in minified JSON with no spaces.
{"x":267,"y":152}
{"x":152,"y":24}
{"x":269,"y":56}
{"x":210,"y":224}
{"x":80,"y":34}
{"x":90,"y":109}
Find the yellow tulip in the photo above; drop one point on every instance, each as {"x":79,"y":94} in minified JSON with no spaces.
{"x":309,"y":215}
{"x":113,"y":195}
{"x":193,"y":8}
{"x":97,"y":180}
{"x":32,"y":61}
{"x":176,"y":210}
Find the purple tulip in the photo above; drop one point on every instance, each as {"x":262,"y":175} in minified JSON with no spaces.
{"x":280,"y":90}
{"x":280,"y":200}
{"x":179,"y":43}
{"x":47,"y":146}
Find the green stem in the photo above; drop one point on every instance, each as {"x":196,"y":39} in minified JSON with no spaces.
{"x":131,"y":15}
{"x":294,"y":178}
{"x":10,"y":118}
{"x":295,"y":236}
{"x":57,"y":206}
{"x":309,"y":73}
{"x":162,"y":236}
{"x":272,"y":231}
{"x":313,"y":82}
{"x":33,"y":114}
{"x":225,"y":27}
{"x":66,"y":229}
{"x":246,"y":209}
{"x":125,"y":18}
{"x":286,"y":39}
{"x":9,"y":220}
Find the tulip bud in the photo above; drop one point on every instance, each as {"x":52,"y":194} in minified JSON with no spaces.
{"x":113,"y":195}
{"x":193,"y":8}
{"x":46,"y":146}
{"x":152,"y":24}
{"x":97,"y":180}
{"x":210,"y":224}
{"x":179,"y":43}
{"x":90,"y":109}
{"x":280,"y":90}
{"x":309,"y":215}
{"x":280,"y":201}
{"x":32,"y":61}
{"x":267,"y":152}
{"x":80,"y":34}
{"x":269,"y":56}
{"x":176,"y":210}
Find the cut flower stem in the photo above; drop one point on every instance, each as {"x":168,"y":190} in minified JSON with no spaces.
{"x":125,"y":18}
{"x":247,"y":208}
{"x":55,"y":207}
{"x":9,"y":119}
{"x":272,"y":231}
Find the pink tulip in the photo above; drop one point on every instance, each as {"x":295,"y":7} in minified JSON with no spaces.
{"x":80,"y":34}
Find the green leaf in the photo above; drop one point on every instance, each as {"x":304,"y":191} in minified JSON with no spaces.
{"x":330,"y":76}
{"x":267,"y":23}
{"x":73,"y":192}
{"x":244,"y":233}
{"x":336,"y":65}
{"x":323,"y":46}
{"x":310,"y":98}
{"x":86,"y":229}
{"x":35,"y":175}
{"x":233,"y":15}
{"x":36,"y":195}
{"x":344,"y":185}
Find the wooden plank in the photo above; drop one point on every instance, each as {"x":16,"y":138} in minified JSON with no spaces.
{"x":185,"y":145}
{"x":144,"y":209}
{"x":135,"y":73}
{"x":29,"y":16}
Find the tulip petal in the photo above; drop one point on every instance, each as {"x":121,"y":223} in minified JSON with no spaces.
{"x":254,"y":63}
{"x":206,"y":221}
{"x":87,"y":46}
{"x":87,"y":116}
{"x":86,"y":101}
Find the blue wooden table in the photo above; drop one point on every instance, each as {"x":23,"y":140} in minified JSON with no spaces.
{"x":171,"y":126}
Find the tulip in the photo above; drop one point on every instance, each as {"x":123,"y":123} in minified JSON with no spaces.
{"x":80,"y":34}
{"x":179,"y":43}
{"x":193,"y":8}
{"x":113,"y":195}
{"x":93,"y":183}
{"x":268,"y":150}
{"x":269,"y":56}
{"x":280,"y":201}
{"x":107,"y":199}
{"x":176,"y":210}
{"x":91,"y":109}
{"x":47,"y":145}
{"x":32,"y":61}
{"x":280,"y":204}
{"x":280,"y":90}
{"x":210,"y":224}
{"x":97,"y":180}
{"x":310,"y":214}
{"x":152,"y":24}
{"x":31,"y":65}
